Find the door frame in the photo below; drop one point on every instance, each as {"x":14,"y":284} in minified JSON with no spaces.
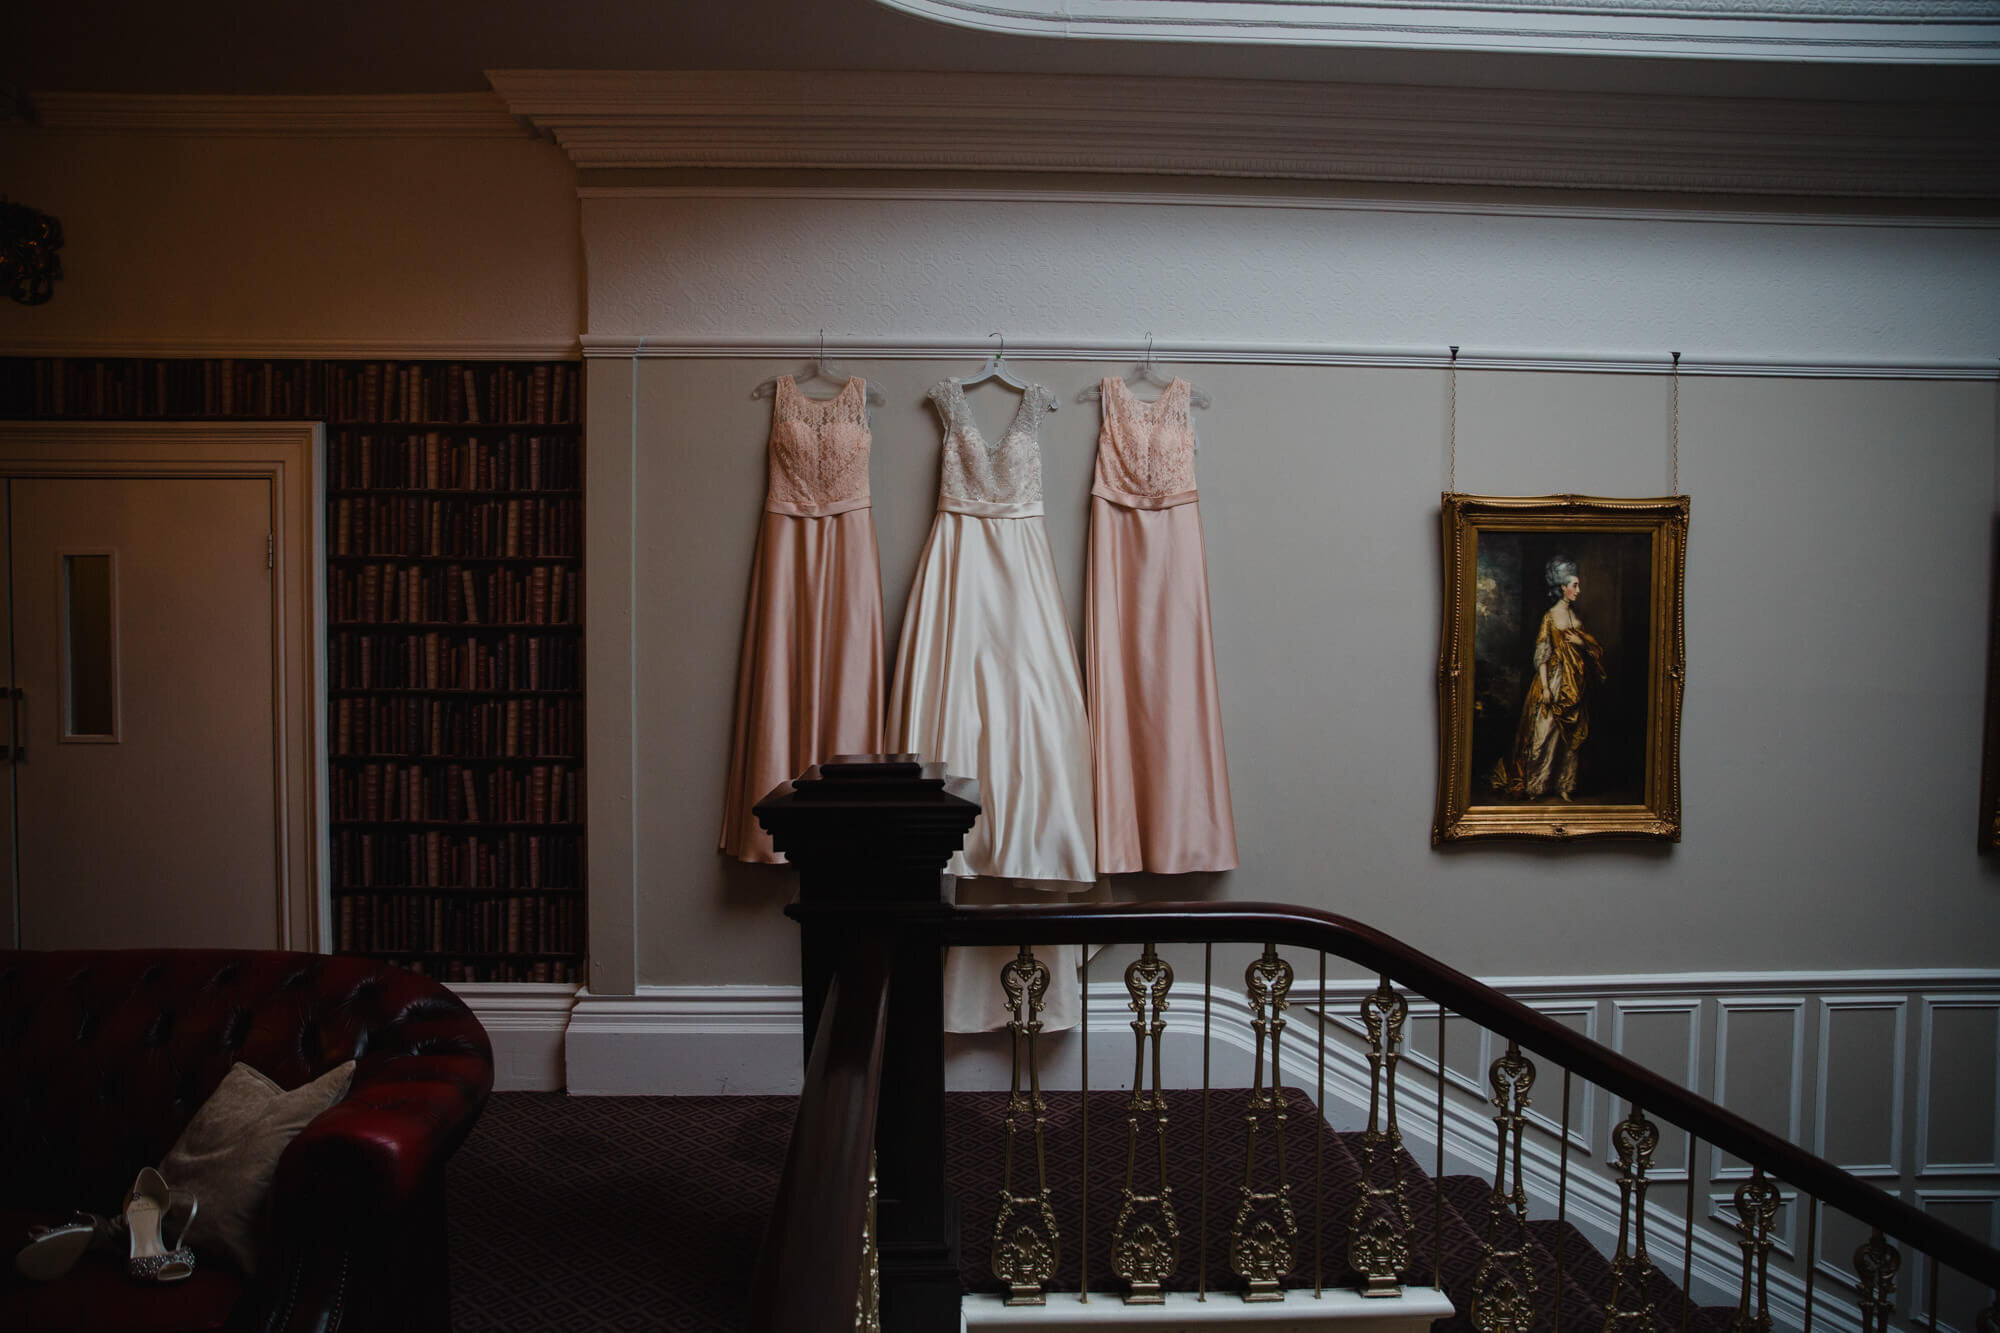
{"x":289,"y":455}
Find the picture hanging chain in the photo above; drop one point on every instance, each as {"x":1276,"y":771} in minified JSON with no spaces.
{"x":1451,"y":483}
{"x":1677,"y":424}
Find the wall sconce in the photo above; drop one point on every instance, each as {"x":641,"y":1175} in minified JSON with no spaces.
{"x":29,"y":265}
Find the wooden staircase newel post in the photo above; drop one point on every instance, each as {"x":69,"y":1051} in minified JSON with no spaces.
{"x":867,"y":832}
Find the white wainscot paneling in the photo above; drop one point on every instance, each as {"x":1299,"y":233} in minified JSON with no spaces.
{"x":1760,"y":1064}
{"x":1959,"y":1298}
{"x":1664,"y":1034}
{"x":1958,"y":1086}
{"x":1862,"y":1069}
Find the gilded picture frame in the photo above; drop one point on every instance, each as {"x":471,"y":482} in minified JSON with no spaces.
{"x":1561,"y":668}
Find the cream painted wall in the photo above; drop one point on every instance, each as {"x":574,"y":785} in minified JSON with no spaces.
{"x":300,"y":245}
{"x":1837,"y":572}
{"x":1836,"y":596}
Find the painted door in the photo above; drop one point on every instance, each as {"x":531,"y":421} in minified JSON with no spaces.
{"x":145,"y":657}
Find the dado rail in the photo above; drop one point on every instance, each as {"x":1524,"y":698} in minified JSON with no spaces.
{"x":866,"y":1232}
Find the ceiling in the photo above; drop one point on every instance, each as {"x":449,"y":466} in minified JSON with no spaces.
{"x":428,"y":46}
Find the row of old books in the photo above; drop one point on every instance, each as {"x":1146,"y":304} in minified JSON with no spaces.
{"x":448,"y":923}
{"x":443,"y":660}
{"x":386,"y":525}
{"x":504,"y":393}
{"x":448,"y":392}
{"x":439,"y":859}
{"x":144,"y":387}
{"x":394,"y":593}
{"x":394,"y":791}
{"x":423,"y":725}
{"x":441,"y":461}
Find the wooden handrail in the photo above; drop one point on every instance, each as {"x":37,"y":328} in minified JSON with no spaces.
{"x":1304,"y":928}
{"x":809,"y":1269}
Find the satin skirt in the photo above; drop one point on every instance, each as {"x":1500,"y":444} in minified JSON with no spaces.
{"x":1156,"y":713}
{"x":809,"y":681}
{"x":987,"y":683}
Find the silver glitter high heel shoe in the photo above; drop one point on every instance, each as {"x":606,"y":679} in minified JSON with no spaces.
{"x":152,"y":1259}
{"x":53,"y":1251}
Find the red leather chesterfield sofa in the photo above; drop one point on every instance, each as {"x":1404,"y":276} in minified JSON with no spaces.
{"x":105,"y":1057}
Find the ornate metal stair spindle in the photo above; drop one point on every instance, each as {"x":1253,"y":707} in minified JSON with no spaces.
{"x":1146,"y":1240}
{"x":1504,"y":1289}
{"x":1635,"y":1138}
{"x":1757,"y":1204}
{"x":1875,"y":1264}
{"x":1262,"y":1238}
{"x":1378,"y":1240}
{"x":868,"y":1301}
{"x":1026,"y":1242}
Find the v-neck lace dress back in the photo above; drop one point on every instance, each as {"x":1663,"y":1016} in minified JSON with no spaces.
{"x":1162,"y":779}
{"x":809,"y":682}
{"x":987,"y":681}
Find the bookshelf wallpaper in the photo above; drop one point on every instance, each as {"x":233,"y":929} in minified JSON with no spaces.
{"x":454,"y":542}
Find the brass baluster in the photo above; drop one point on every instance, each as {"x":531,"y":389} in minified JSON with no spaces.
{"x":1207,"y":1028}
{"x":1378,"y":1239}
{"x":1025,"y":1249}
{"x":1687,"y":1239}
{"x":1635,"y":1138}
{"x":1875,"y":1263}
{"x":1562,"y":1205}
{"x":1504,"y":1288}
{"x":1083,"y":1104}
{"x":1146,"y":1240}
{"x":1319,"y":1140}
{"x":1262,"y":1236}
{"x":868,"y":1301}
{"x":1812,"y":1262}
{"x":1757,"y":1204}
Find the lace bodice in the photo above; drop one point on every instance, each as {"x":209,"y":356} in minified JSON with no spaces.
{"x":1145,"y":451}
{"x":819,"y":451}
{"x":1001,"y":480}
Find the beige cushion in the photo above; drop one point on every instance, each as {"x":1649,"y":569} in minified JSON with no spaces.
{"x":229,"y":1152}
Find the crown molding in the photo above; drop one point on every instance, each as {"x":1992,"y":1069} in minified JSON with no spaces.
{"x":794,"y":120}
{"x":1246,"y":194}
{"x":1932,"y":32}
{"x":437,"y":115}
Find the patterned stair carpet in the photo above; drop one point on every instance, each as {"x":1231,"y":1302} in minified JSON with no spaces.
{"x":630,"y":1213}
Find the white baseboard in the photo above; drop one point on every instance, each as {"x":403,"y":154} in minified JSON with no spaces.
{"x":526,"y":1022}
{"x":683,"y":1041}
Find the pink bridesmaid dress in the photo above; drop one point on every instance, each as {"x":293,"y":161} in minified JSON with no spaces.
{"x":1162,"y":779}
{"x":809,"y":683}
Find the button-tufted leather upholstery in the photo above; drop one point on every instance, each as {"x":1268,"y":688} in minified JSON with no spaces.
{"x":106,"y":1056}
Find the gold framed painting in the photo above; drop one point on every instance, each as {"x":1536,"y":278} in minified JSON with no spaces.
{"x":1561,"y":668}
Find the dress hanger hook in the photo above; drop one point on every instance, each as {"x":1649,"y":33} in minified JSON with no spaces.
{"x":1000,"y":355}
{"x":1149,"y":349}
{"x":822,"y":346}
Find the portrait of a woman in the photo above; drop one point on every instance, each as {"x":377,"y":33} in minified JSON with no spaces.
{"x":1555,"y":714}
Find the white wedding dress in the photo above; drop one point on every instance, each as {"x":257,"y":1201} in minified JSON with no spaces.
{"x":987,"y":682}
